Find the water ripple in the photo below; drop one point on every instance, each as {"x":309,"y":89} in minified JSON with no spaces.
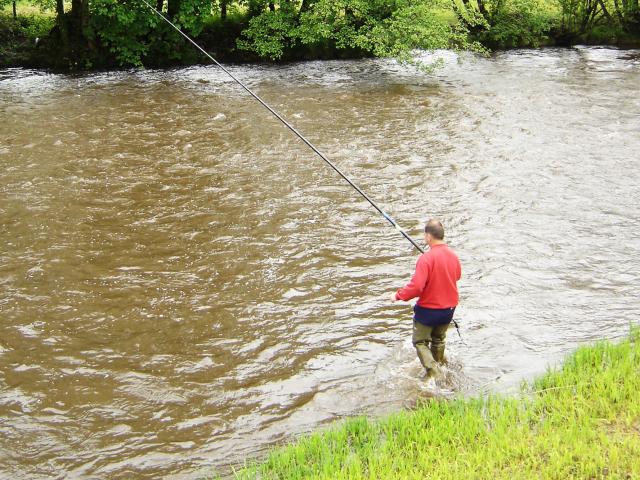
{"x":184,"y":284}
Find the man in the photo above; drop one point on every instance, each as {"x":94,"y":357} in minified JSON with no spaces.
{"x":435,"y":284}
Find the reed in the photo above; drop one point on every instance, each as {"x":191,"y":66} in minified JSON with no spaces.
{"x":581,"y":420}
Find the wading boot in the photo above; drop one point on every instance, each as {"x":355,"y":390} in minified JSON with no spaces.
{"x":438,"y":353}
{"x":430,"y":373}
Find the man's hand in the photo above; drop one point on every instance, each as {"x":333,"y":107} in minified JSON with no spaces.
{"x":392,"y":297}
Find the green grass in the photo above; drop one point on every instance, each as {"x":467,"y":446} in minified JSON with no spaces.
{"x":578,"y":421}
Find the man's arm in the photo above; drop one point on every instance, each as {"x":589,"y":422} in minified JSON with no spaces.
{"x":417,"y":283}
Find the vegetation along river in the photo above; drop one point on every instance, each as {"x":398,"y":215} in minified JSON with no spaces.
{"x":183,"y":284}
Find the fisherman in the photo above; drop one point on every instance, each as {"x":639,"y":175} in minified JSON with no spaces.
{"x":435,"y":284}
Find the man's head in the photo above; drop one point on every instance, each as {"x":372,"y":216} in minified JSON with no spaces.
{"x":433,"y":232}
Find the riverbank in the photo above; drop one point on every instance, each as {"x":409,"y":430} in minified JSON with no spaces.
{"x":113,"y":37}
{"x":581,"y":420}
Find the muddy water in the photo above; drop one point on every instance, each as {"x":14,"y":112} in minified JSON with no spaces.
{"x":182,"y":284}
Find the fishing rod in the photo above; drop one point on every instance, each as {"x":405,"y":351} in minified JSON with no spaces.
{"x":292,"y":128}
{"x":386,"y":216}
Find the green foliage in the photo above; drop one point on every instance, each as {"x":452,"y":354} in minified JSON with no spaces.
{"x":269,"y":34}
{"x":35,"y":26}
{"x":597,"y":19}
{"x":604,"y":33}
{"x":122,"y":28}
{"x":27,"y":8}
{"x":380,"y":28}
{"x":127,"y":33}
{"x":44,"y":5}
{"x":132,"y":32}
{"x":418,"y":25}
{"x":508,"y":23}
{"x":342,"y":25}
{"x":519,"y":23}
{"x":193,"y":15}
{"x":18,"y":37}
{"x":576,"y":15}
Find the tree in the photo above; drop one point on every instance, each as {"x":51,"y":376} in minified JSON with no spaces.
{"x":627,"y":14}
{"x":506,"y":23}
{"x":223,"y":9}
{"x":377,"y":27}
{"x":132,"y":32}
{"x":4,"y":3}
{"x":580,"y":17}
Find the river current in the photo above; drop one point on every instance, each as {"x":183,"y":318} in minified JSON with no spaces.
{"x":183,"y":284}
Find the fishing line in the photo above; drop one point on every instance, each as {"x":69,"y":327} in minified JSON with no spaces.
{"x":297,"y":133}
{"x":292,"y":128}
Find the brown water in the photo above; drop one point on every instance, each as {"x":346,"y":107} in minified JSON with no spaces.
{"x":182,"y":284}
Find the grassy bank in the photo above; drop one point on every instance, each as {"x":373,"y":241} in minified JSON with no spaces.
{"x":579,"y":421}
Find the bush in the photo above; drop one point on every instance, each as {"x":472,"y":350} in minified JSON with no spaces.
{"x":603,"y":34}
{"x":18,"y":37}
{"x":519,"y":23}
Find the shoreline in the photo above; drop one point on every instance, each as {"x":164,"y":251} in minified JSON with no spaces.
{"x":578,"y":420}
{"x":28,"y":42}
{"x":261,"y":62}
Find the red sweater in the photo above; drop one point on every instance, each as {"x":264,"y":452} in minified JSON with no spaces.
{"x":434,"y":281}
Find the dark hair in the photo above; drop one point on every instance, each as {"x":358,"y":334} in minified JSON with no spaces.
{"x":435,"y":228}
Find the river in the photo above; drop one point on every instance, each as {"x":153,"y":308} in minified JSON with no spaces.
{"x":183,"y":284}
